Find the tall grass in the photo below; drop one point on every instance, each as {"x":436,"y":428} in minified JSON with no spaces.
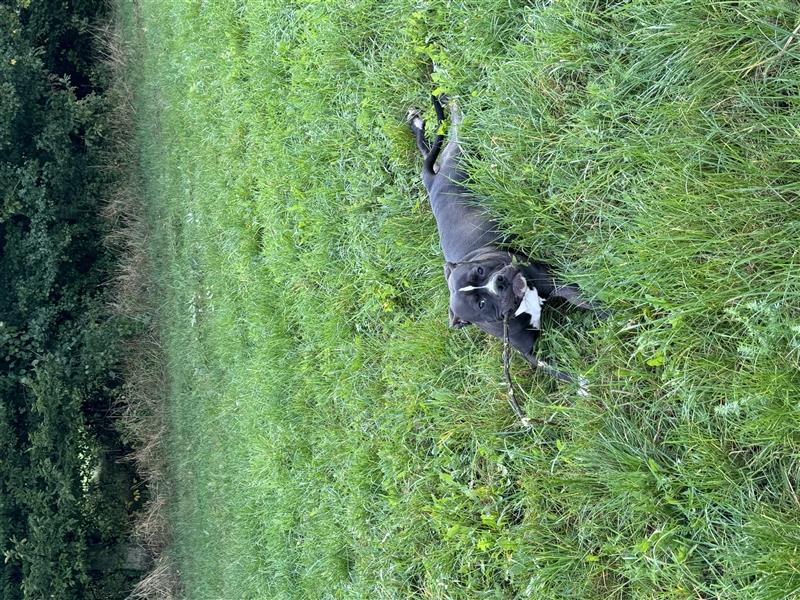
{"x":329,"y":437}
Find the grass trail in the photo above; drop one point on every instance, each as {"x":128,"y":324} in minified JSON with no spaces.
{"x":331,"y":438}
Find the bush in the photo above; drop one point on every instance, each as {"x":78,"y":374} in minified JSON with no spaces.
{"x":58,"y":345}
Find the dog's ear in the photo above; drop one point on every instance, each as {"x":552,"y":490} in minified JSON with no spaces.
{"x":448,"y":269}
{"x":457,"y":322}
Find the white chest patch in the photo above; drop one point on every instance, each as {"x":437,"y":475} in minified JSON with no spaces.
{"x":531,"y":304}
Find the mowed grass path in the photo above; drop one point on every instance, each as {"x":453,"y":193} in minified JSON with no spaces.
{"x":331,"y":438}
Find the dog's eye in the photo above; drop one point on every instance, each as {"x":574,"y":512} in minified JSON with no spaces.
{"x":480,"y":271}
{"x":481,"y":304}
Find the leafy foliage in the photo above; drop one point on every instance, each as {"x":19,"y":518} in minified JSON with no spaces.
{"x":57,"y":343}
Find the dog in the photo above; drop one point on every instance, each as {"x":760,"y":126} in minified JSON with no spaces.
{"x":487,"y":282}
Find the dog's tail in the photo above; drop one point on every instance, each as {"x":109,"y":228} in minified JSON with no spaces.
{"x":436,"y":147}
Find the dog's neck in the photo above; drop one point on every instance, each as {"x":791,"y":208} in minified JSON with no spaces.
{"x":485,"y":252}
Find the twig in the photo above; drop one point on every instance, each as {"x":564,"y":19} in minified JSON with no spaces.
{"x":512,"y":399}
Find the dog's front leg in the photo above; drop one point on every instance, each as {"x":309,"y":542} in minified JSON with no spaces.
{"x":539,"y":276}
{"x":573,"y":294}
{"x":523,"y":340}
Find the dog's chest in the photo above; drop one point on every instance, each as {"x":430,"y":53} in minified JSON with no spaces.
{"x":531,"y":304}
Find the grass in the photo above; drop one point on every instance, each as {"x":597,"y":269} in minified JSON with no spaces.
{"x":329,"y":437}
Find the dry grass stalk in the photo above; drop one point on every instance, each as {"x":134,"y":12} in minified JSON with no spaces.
{"x":141,"y":409}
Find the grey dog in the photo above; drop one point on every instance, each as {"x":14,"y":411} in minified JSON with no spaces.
{"x":487,"y":282}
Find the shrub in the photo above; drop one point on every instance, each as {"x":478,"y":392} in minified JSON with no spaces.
{"x":58,"y":346}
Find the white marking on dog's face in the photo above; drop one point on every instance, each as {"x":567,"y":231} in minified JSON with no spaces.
{"x":491,"y":286}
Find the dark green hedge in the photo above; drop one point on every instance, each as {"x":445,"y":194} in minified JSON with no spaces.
{"x":58,"y":345}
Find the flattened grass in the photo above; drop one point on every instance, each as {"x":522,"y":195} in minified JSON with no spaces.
{"x":331,"y":438}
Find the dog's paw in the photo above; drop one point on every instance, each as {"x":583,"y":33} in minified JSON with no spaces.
{"x":414,"y":118}
{"x":583,"y":387}
{"x":602,"y":313}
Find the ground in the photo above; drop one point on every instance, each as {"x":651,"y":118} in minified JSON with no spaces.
{"x":330,"y":437}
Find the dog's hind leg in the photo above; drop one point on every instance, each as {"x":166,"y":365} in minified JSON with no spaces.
{"x":430,"y":151}
{"x":452,"y":150}
{"x":417,"y":126}
{"x":455,"y":117}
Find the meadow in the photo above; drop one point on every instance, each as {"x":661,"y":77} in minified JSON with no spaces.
{"x":329,"y":436}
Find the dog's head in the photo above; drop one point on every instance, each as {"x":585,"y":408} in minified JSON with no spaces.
{"x":483,"y":291}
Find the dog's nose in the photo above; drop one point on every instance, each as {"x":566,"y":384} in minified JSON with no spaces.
{"x":500,"y":283}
